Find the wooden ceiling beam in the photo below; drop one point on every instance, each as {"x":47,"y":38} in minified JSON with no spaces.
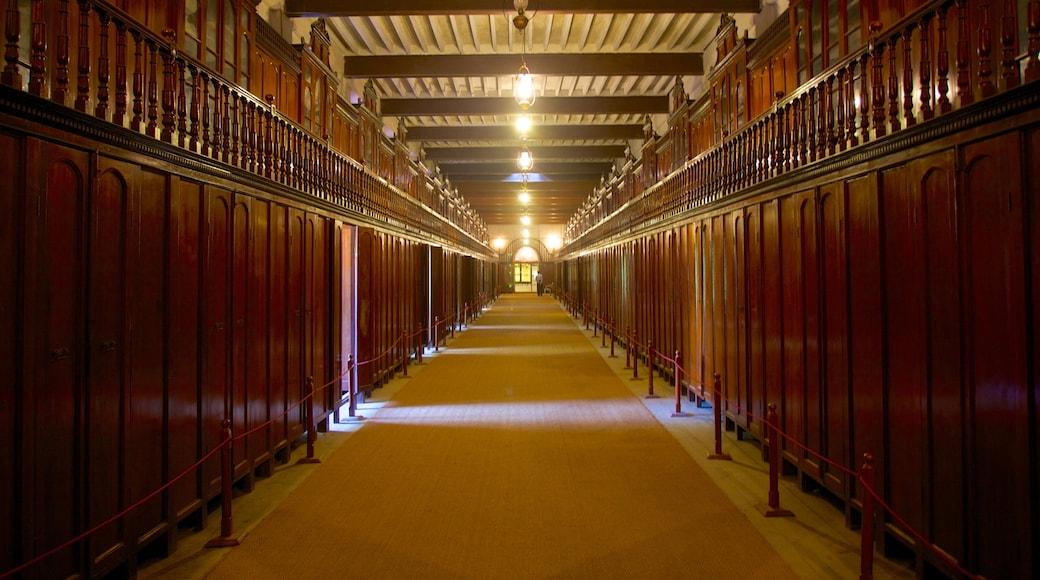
{"x":469,"y":106}
{"x":507,"y":153}
{"x":551,"y":188}
{"x":317,"y":8}
{"x":508,"y":132}
{"x":473,"y":65}
{"x":459,"y":178}
{"x":451,"y":169}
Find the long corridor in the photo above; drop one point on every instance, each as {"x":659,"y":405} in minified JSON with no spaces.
{"x":520,"y":451}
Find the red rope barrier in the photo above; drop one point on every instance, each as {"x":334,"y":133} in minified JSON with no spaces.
{"x":114,"y":518}
{"x":225,"y":444}
{"x":772,"y":431}
{"x":917,"y":535}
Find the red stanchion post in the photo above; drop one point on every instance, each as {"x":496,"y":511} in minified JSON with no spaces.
{"x":774,"y":510}
{"x":628,"y":347}
{"x":585,"y":313}
{"x":225,"y":540}
{"x":454,"y":322}
{"x":650,"y":369}
{"x":603,"y":334}
{"x":866,"y":541}
{"x":419,"y":348}
{"x":595,"y":323}
{"x":339,"y":399}
{"x":678,"y":390}
{"x":404,"y":359}
{"x":352,"y":389}
{"x":635,"y":355}
{"x":613,"y":332}
{"x":312,"y":434}
{"x":465,"y":315}
{"x":716,"y":409}
{"x":436,"y":332}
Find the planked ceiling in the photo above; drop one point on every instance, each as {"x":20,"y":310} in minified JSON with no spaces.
{"x":445,"y":70}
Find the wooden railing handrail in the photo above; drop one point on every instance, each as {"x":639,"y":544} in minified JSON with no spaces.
{"x":118,"y":70}
{"x":874,"y":92}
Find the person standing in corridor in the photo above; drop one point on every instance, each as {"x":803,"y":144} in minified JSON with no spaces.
{"x":538,"y":283}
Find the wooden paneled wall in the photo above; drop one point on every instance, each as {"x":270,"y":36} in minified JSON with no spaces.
{"x":887,"y":308}
{"x":146,"y":303}
{"x":392,"y":285}
{"x":147,"y":307}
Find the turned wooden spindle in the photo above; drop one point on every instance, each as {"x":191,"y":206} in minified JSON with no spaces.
{"x":908,"y":78}
{"x":893,"y":86}
{"x":1009,"y":75}
{"x":985,"y":51}
{"x":926,"y":68}
{"x":82,"y":58}
{"x":182,"y":104}
{"x":942,"y":66}
{"x":1033,"y":28}
{"x":103,"y":65}
{"x":61,"y":56}
{"x":38,"y":50}
{"x":195,"y":112}
{"x":152,"y":90}
{"x":964,"y":92}
{"x":169,"y":54}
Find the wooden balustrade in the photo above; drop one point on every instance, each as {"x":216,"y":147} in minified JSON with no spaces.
{"x":133,"y":78}
{"x":887,"y":87}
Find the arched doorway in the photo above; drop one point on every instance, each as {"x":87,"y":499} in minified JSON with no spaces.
{"x":524,"y":268}
{"x":520,"y":261}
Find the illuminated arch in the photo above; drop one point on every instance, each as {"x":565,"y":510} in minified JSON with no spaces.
{"x":508,"y":254}
{"x":526,"y":255}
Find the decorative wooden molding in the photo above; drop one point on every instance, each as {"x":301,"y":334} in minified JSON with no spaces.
{"x":268,"y":39}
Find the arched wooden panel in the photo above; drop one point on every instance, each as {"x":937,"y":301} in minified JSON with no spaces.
{"x":184,"y":354}
{"x":865,"y":320}
{"x":216,"y":320}
{"x":697,"y":325}
{"x":367,"y":247}
{"x":107,"y":350}
{"x":801,"y":381}
{"x":241,"y":373}
{"x":756,"y":307}
{"x":316,"y":271}
{"x":147,"y":402}
{"x":54,"y":384}
{"x":280,"y":316}
{"x":946,"y":412}
{"x":999,"y":390}
{"x":736,"y":339}
{"x":259,"y":322}
{"x":772,"y":272}
{"x":296,"y":342}
{"x":12,"y":224}
{"x":715,"y":301}
{"x":834,"y":419}
{"x":1032,"y":153}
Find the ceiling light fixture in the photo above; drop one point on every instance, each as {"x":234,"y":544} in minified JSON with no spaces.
{"x":523,"y":85}
{"x":523,"y":124}
{"x":524,"y":161}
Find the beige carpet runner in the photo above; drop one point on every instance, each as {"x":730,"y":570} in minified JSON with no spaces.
{"x":515,"y":453}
